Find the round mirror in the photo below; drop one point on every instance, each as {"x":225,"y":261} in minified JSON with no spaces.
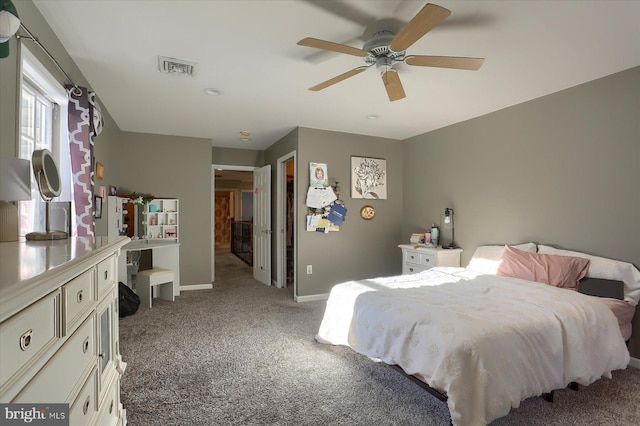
{"x":46,"y":173}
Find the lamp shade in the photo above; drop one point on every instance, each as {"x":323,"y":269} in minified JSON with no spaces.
{"x":9,"y":25}
{"x":15,"y":179}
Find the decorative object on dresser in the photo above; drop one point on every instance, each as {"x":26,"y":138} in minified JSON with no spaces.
{"x":47,"y":176}
{"x":59,"y":326}
{"x":15,"y":185}
{"x":417,"y":259}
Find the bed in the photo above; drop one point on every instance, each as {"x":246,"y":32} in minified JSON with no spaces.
{"x":483,"y":336}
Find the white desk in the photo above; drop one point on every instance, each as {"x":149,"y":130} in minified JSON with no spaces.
{"x":164,"y":254}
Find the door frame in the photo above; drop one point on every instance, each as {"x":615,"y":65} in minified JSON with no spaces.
{"x":281,"y":220}
{"x":212,"y":214}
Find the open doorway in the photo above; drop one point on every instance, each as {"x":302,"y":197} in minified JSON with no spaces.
{"x":286,"y":241}
{"x":232,"y":219}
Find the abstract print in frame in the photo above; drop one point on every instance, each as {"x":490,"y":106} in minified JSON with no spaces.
{"x":368,"y":178}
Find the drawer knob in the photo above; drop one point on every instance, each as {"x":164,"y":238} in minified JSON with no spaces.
{"x":85,"y":406}
{"x":101,"y":355}
{"x":410,"y":269}
{"x":427,"y":260}
{"x":79,"y":296}
{"x":85,"y":345}
{"x":25,"y":340}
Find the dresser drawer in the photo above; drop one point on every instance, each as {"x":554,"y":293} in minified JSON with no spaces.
{"x":110,"y":409}
{"x":66,"y":368}
{"x":79,"y":297}
{"x":26,"y":335}
{"x":106,"y":276}
{"x":85,"y":406}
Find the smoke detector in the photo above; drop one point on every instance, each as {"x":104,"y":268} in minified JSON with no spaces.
{"x":176,"y":66}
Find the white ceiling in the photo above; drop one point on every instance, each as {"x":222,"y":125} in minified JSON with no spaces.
{"x":248,"y":50}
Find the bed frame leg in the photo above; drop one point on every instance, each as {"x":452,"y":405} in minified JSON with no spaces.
{"x":574,"y":386}
{"x":548,"y":396}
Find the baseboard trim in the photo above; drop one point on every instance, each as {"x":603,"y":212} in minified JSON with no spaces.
{"x":635,"y":363}
{"x":312,"y":298}
{"x":196,"y":287}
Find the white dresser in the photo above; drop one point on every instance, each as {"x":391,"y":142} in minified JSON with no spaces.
{"x":59,"y":326}
{"x":418,"y":259}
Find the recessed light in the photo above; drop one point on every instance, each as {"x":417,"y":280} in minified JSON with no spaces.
{"x":373,"y":116}
{"x":245,"y":139}
{"x":213,"y":92}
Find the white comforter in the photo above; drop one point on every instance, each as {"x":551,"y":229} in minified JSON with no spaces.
{"x":487,"y":341}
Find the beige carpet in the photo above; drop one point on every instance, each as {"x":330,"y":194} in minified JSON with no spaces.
{"x":244,"y":354}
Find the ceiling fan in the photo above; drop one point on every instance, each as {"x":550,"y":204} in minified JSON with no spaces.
{"x":385,"y":49}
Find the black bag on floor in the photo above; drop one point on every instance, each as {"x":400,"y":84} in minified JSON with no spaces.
{"x":128,"y":300}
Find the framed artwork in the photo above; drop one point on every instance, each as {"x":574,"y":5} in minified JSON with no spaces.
{"x":368,"y":178}
{"x":98,"y":206}
{"x":99,"y":170}
{"x":318,"y":177}
{"x":112,"y":190}
{"x":367,"y":212}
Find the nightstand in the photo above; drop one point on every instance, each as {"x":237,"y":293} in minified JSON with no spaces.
{"x":420,"y":259}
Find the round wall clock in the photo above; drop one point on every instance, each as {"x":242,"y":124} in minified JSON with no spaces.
{"x":367,"y":212}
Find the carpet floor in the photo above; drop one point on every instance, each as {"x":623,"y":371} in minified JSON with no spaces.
{"x":244,"y":354}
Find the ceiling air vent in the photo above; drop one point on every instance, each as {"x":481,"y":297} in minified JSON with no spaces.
{"x":176,"y":66}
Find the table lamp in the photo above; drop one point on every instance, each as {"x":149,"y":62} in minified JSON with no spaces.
{"x":15,"y":185}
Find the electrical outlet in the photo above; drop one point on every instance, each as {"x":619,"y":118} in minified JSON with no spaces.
{"x":309,"y":269}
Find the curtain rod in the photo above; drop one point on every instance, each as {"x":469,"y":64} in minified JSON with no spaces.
{"x":44,"y":49}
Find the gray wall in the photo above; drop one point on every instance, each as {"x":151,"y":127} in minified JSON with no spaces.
{"x":561,"y":170}
{"x":173,"y":167}
{"x":361,"y":249}
{"x":236,"y":157}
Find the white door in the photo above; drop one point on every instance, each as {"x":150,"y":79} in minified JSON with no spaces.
{"x":262,"y":224}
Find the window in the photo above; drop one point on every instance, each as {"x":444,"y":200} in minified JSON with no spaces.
{"x":43,"y":125}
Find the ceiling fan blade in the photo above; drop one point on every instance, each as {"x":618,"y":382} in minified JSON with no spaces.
{"x":471,"y":64}
{"x":334,"y":47}
{"x":428,"y":18}
{"x":392,"y":83}
{"x":337,"y":79}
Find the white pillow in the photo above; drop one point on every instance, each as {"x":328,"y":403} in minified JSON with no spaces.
{"x":609,"y":269}
{"x":486,"y":259}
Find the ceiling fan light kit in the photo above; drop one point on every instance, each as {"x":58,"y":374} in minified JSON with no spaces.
{"x":386,"y":49}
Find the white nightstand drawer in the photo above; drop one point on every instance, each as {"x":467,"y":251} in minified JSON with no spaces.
{"x":428,"y":260}
{"x":79,"y":297}
{"x":413,"y":268}
{"x":85,"y":407}
{"x":106,"y":276}
{"x":65,"y":369}
{"x":411,"y":256}
{"x":25,"y":335}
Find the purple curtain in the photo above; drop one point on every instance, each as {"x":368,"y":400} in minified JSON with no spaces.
{"x":85,"y":122}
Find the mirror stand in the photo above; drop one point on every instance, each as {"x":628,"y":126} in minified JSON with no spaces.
{"x":48,"y":234}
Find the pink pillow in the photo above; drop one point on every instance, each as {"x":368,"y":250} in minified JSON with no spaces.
{"x":558,"y":271}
